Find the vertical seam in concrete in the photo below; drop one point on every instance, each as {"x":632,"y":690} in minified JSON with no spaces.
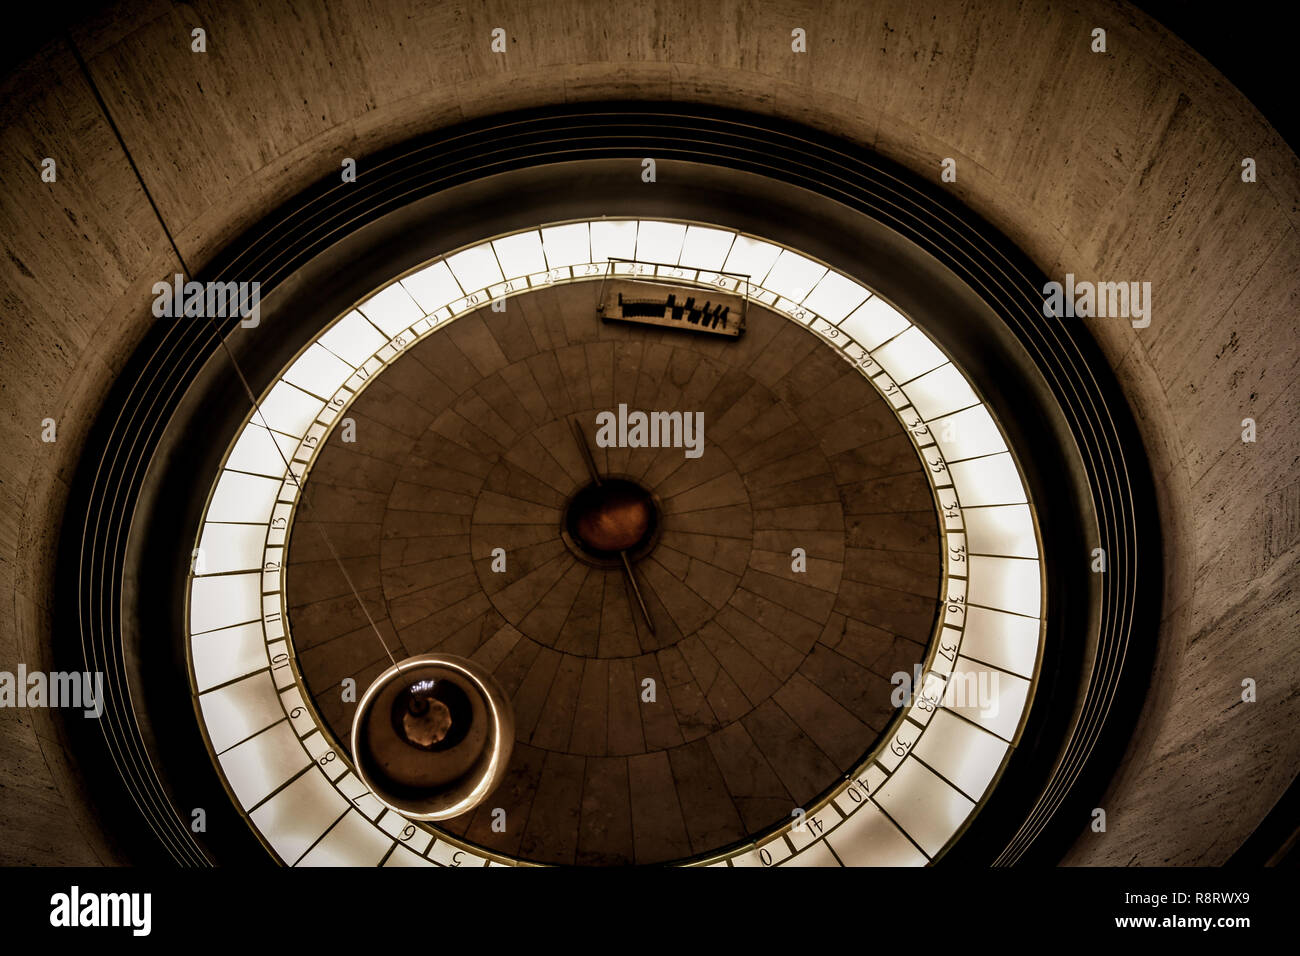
{"x":126,"y":152}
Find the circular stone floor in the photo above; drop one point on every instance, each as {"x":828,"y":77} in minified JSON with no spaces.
{"x":768,"y":684}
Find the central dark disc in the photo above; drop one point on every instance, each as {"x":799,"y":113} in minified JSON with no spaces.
{"x":616,"y":515}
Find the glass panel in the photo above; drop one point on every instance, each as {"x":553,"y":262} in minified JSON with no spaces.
{"x":991,"y":698}
{"x":240,"y":710}
{"x":613,"y":239}
{"x":967,"y":434}
{"x":1011,"y":584}
{"x":297,"y":816}
{"x":230,"y":547}
{"x":263,"y":763}
{"x":992,"y":480}
{"x":924,"y":805}
{"x":908,"y":355}
{"x":288,"y":409}
{"x":318,"y":371}
{"x":752,"y":257}
{"x":434,"y":287}
{"x":227,"y":653}
{"x":869,"y":838}
{"x":793,"y":276}
{"x":353,"y":338}
{"x":566,"y":245}
{"x":255,"y":451}
{"x":353,"y":841}
{"x":874,"y":322}
{"x":1004,"y":640}
{"x":1001,"y":529}
{"x":962,"y":752}
{"x":940,"y":392}
{"x":224,"y":600}
{"x":393,"y":309}
{"x":706,"y":248}
{"x":835,"y":297}
{"x":659,"y":241}
{"x":476,"y":268}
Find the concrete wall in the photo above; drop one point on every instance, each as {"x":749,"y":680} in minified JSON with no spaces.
{"x":1121,"y":166}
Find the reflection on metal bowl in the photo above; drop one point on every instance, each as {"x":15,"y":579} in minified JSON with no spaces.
{"x":432,"y":736}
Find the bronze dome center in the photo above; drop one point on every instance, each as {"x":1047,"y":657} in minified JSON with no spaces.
{"x":614,"y":516}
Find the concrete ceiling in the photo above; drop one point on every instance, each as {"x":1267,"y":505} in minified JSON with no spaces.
{"x":1123,"y":165}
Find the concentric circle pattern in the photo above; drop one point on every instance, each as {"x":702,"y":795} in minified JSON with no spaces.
{"x":760,"y":685}
{"x":909,"y":797}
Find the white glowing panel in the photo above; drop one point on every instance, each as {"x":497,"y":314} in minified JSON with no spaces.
{"x":989,"y":697}
{"x":962,"y":752}
{"x":868,"y":838}
{"x":908,"y":355}
{"x":353,"y":338}
{"x":288,"y":409}
{"x":1001,"y":529}
{"x":475,"y":268}
{"x":224,"y":600}
{"x":659,"y":241}
{"x":1004,"y":640}
{"x":706,"y":248}
{"x":261,"y":764}
{"x":392,"y":310}
{"x":566,"y":245}
{"x":940,"y":392}
{"x":793,"y":276}
{"x":613,"y":239}
{"x":240,"y":497}
{"x":297,"y":816}
{"x":432,"y":288}
{"x":968,"y":434}
{"x":924,"y":805}
{"x":874,"y":322}
{"x":227,"y":654}
{"x":229,"y":547}
{"x":991,"y":480}
{"x":1007,"y":584}
{"x":353,"y":841}
{"x":255,"y":451}
{"x":835,"y":297}
{"x":239,"y":710}
{"x":751,"y":257}
{"x":318,"y":371}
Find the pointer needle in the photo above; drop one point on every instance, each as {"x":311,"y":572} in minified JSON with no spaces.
{"x":631,"y":578}
{"x":586,"y":451}
{"x":581,"y":438}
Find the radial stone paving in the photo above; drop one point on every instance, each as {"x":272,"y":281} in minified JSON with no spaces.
{"x":768,"y":684}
